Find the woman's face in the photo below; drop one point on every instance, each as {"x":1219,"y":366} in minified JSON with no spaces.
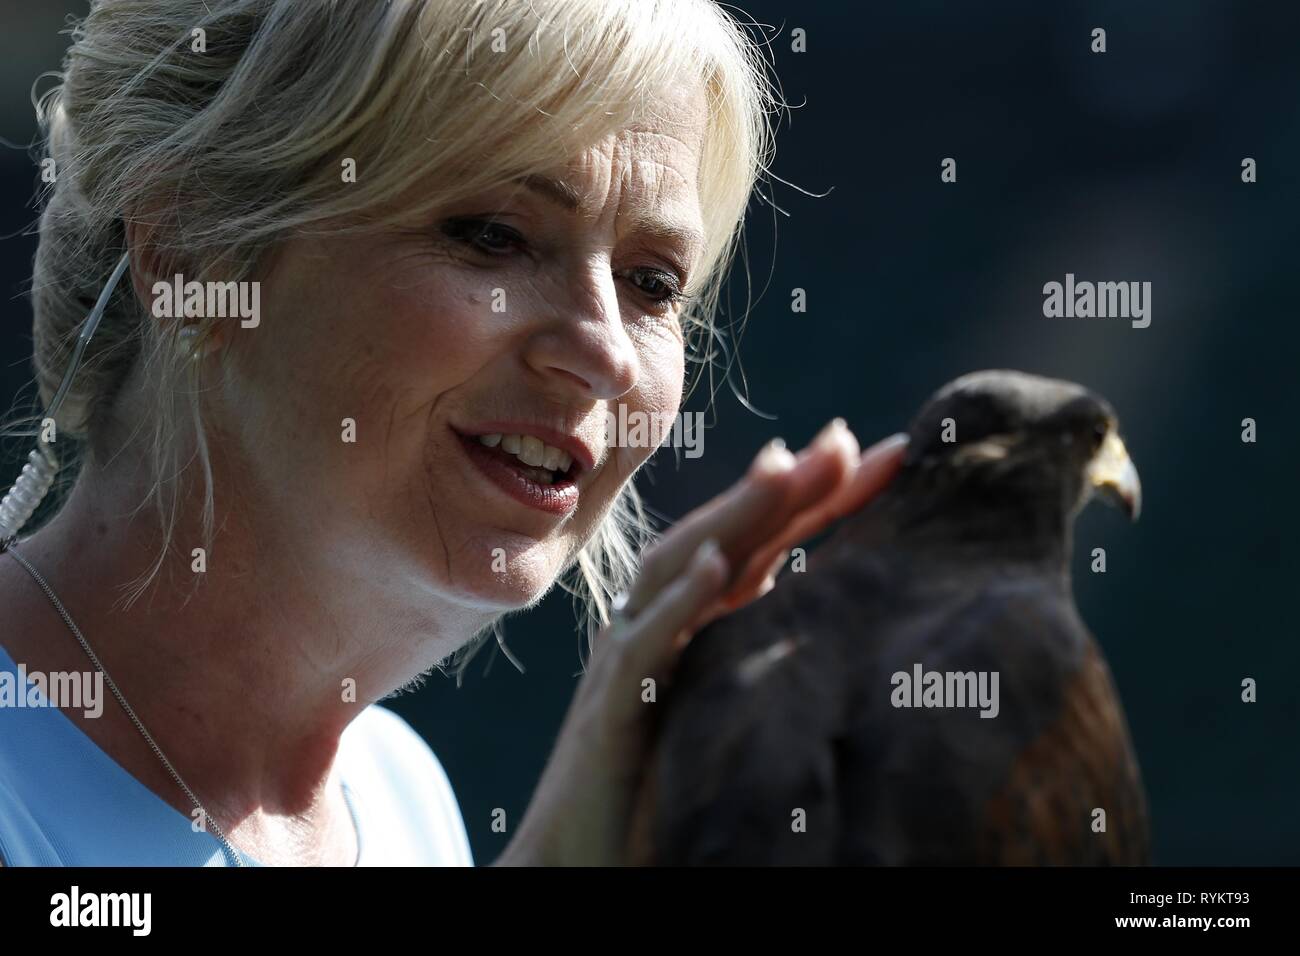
{"x":479,"y":362}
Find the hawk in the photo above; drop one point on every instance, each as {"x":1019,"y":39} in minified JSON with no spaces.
{"x":926,"y":693}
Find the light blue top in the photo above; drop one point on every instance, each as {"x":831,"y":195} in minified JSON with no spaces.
{"x":64,"y":802}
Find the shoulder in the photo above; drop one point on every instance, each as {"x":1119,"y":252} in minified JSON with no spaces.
{"x":405,"y":794}
{"x":389,"y":741}
{"x":21,"y":840}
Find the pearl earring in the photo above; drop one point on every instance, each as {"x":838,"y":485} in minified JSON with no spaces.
{"x":188,"y":338}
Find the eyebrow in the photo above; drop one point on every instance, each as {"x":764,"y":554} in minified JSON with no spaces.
{"x":564,"y":194}
{"x":556,"y":190}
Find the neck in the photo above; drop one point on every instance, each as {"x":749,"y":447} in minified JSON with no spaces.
{"x":240,"y":673}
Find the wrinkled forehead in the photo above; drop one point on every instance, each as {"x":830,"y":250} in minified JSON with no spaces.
{"x":668,"y":132}
{"x":646,"y":175}
{"x":682,"y":112}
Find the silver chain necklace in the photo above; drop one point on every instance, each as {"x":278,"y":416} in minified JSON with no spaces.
{"x":208,"y":822}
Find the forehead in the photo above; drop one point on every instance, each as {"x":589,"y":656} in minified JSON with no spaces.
{"x":670,"y":128}
{"x":648,"y":172}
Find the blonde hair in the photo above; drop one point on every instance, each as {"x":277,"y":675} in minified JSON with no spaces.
{"x":221,"y":153}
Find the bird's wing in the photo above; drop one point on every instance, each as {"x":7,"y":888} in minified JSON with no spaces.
{"x":1047,"y":811}
{"x":744,"y":772}
{"x":778,"y":742}
{"x":945,"y":785}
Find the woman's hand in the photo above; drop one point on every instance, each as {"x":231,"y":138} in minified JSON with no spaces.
{"x":718,"y":558}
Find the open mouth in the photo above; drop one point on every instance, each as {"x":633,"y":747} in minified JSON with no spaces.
{"x":531,"y":457}
{"x":526,"y":468}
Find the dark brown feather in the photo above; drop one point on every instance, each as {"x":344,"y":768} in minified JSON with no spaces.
{"x":783,"y":709}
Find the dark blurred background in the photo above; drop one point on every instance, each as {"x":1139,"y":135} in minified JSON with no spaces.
{"x":1118,"y":166}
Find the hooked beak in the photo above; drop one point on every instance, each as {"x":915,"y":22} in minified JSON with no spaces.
{"x":1112,"y":474}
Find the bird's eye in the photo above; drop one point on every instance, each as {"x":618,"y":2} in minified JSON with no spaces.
{"x":1099,"y":433}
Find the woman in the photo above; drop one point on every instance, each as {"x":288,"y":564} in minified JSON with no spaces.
{"x":462,"y":234}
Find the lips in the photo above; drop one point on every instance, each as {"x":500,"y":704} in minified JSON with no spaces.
{"x":534,"y":469}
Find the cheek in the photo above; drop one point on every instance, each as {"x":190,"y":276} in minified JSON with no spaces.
{"x":656,"y":398}
{"x":354,"y":338}
{"x":663,"y":368}
{"x":438,"y":326}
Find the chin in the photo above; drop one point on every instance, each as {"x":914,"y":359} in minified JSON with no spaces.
{"x":503,"y":573}
{"x":503,"y":595}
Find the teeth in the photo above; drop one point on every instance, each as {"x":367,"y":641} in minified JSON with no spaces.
{"x":531,"y":451}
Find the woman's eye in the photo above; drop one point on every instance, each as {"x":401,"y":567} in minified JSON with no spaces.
{"x":659,"y":286}
{"x":485,"y":234}
{"x":494,"y":238}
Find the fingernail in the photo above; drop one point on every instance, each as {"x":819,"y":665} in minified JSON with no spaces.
{"x":774,"y":457}
{"x":829,"y":435}
{"x":886,"y":446}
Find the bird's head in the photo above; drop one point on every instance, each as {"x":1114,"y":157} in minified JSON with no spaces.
{"x":1011,"y":444}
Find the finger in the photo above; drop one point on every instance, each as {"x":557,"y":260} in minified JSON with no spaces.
{"x":724,"y":518}
{"x":777,"y":487}
{"x":823,"y":467}
{"x":755,"y":581}
{"x":652,"y":637}
{"x":876,"y":468}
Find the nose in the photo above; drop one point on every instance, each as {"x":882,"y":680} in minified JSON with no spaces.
{"x":582,"y":346}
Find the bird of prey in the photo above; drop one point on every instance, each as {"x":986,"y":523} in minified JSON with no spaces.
{"x":926,"y":692}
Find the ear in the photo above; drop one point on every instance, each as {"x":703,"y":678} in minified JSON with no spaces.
{"x":987,"y":449}
{"x":143,"y":232}
{"x":152,"y":261}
